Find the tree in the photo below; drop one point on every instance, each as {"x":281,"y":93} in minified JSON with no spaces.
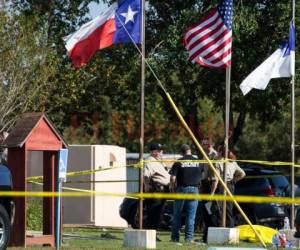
{"x":26,"y":65}
{"x":108,"y":88}
{"x":189,"y":83}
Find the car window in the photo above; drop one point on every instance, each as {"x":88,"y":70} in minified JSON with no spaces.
{"x":279,"y":181}
{"x":253,"y":181}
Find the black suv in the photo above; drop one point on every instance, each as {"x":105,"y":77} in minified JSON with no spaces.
{"x":7,"y":208}
{"x":260,"y":181}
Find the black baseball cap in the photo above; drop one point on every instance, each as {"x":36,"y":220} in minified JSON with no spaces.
{"x":155,"y":146}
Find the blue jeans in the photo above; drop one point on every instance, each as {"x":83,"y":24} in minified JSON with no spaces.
{"x":190,"y":207}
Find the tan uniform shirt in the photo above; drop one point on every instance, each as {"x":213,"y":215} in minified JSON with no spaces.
{"x":207,"y":172}
{"x":232,"y":170}
{"x":156,"y":171}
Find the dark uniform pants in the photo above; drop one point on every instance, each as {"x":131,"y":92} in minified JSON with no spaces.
{"x":154,"y":209}
{"x":229,"y":206}
{"x":215,"y":219}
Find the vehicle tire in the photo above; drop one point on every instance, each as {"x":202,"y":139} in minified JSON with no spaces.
{"x":4,"y":228}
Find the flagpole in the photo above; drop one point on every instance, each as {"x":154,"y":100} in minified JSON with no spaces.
{"x":292,"y":216}
{"x":227,"y":111}
{"x":142,"y":107}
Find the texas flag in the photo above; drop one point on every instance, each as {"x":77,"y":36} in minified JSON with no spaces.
{"x":121,"y":23}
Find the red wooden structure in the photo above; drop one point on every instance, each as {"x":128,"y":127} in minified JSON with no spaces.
{"x":34,"y":132}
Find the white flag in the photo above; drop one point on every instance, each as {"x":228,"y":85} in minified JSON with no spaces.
{"x":280,"y":64}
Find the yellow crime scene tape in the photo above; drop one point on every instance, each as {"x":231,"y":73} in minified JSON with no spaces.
{"x":78,"y":192}
{"x":108,"y":181}
{"x":271,"y":163}
{"x":136,"y":180}
{"x":86,"y":172}
{"x":172,"y":196}
{"x":117,"y":181}
{"x":137,"y":165}
{"x":140,"y":164}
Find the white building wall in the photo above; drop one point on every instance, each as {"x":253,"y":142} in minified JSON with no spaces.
{"x":78,"y":210}
{"x":100,"y":210}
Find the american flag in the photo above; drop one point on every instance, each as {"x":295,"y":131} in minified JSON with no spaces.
{"x":209,"y":42}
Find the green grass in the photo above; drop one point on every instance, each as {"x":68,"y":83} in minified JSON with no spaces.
{"x":34,"y":214}
{"x":95,"y":238}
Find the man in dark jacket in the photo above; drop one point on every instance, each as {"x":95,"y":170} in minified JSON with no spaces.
{"x":185,"y":179}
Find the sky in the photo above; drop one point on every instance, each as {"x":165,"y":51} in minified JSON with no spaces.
{"x":96,"y":9}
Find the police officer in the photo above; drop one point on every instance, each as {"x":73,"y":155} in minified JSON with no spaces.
{"x":203,"y":215}
{"x":156,"y":179}
{"x":185,"y":179}
{"x":233,"y":174}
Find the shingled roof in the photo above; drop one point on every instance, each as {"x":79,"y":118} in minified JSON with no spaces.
{"x":24,"y":126}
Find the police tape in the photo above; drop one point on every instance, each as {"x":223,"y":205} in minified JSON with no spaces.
{"x":106,"y":181}
{"x":100,"y":169}
{"x":136,"y":180}
{"x":117,"y":181}
{"x":141,"y":163}
{"x":86,"y":172}
{"x":270,"y":163}
{"x":171,"y":196}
